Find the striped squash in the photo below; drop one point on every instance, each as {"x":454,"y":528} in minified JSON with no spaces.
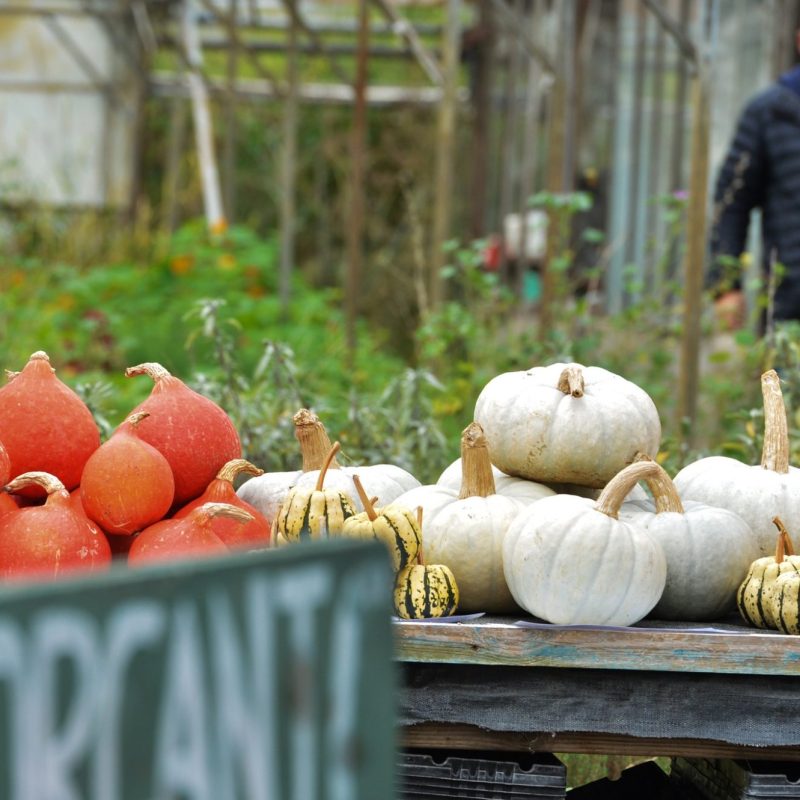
{"x":754,"y":597}
{"x":785,"y":602}
{"x":315,"y":513}
{"x":422,"y":591}
{"x":394,"y":525}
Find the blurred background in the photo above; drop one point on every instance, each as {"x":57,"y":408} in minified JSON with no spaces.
{"x":371,"y":208}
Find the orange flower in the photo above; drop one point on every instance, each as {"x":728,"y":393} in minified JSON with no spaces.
{"x":218,"y":227}
{"x":180,"y":265}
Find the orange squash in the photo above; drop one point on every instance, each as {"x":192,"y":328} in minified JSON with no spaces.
{"x":45,"y":426}
{"x":252,"y":535}
{"x":192,"y":432}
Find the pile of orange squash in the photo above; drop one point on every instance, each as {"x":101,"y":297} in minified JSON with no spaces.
{"x":160,"y":486}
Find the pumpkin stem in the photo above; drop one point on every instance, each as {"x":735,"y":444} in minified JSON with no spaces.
{"x":784,"y":546}
{"x":325,"y":465}
{"x":205,"y":513}
{"x":571,"y":380}
{"x":365,"y":501}
{"x":313,"y":438}
{"x":617,"y":489}
{"x":775,"y":453}
{"x":134,"y":419}
{"x":50,"y":483}
{"x":235,"y":467}
{"x":151,"y":369}
{"x":477,"y":479}
{"x":663,"y":489}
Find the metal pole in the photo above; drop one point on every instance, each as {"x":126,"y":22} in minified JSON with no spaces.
{"x":212,"y":198}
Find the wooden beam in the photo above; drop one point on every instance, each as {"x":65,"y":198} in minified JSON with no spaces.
{"x":229,"y":131}
{"x":445,"y":149}
{"x":444,"y":736}
{"x":480,"y":87}
{"x":176,"y":144}
{"x":304,"y":48}
{"x":509,"y":167}
{"x":675,"y":29}
{"x":170,"y":84}
{"x":289,"y":175}
{"x":694,"y":259}
{"x":355,"y":210}
{"x":241,"y":45}
{"x":405,"y":29}
{"x":510,"y":21}
{"x":84,"y":63}
{"x":294,"y":13}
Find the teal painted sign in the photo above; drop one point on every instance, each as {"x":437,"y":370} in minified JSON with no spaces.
{"x":262,"y":676}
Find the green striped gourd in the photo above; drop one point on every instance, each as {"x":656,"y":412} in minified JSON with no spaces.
{"x":424,"y":591}
{"x":313,"y":513}
{"x":394,"y":525}
{"x":785,"y":602}
{"x":754,"y":597}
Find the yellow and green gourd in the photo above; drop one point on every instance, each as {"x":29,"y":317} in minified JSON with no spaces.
{"x":313,"y":513}
{"x":785,"y":603}
{"x":755,"y":594}
{"x":424,"y":591}
{"x":394,"y":525}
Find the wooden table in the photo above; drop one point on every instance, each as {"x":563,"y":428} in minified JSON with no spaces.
{"x":493,"y":684}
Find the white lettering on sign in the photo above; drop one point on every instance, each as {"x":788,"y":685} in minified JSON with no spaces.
{"x":240,"y":730}
{"x":70,"y":637}
{"x":181,"y":746}
{"x":218,"y":718}
{"x":131,"y":628}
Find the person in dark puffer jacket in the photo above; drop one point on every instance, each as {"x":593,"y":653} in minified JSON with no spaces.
{"x":761,"y":170}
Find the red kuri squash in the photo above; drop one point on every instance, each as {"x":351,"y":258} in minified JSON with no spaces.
{"x":49,"y":540}
{"x":45,"y":426}
{"x":253,"y":535}
{"x":190,"y":537}
{"x":192,"y":432}
{"x":127,"y":484}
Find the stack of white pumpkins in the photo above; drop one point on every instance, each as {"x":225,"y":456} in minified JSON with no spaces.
{"x":533,"y":532}
{"x":544,"y":510}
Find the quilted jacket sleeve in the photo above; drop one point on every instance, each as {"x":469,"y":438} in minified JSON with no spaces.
{"x":739,"y":189}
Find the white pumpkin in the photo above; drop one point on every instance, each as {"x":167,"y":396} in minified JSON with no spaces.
{"x":570,"y":560}
{"x":506,"y":485}
{"x":708,"y":551}
{"x":386,"y":482}
{"x":566,"y":423}
{"x":267,"y":492}
{"x":464,"y":528}
{"x":756,"y":493}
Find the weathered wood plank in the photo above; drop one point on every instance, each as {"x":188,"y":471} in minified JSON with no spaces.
{"x":439,"y":736}
{"x":742,"y":710}
{"x":497,"y":641}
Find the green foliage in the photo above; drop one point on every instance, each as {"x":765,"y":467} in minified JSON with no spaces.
{"x":207,"y":308}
